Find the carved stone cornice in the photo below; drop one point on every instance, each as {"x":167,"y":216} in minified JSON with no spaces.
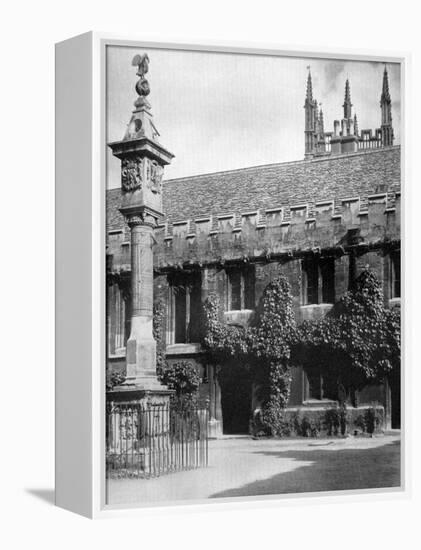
{"x":145,"y":146}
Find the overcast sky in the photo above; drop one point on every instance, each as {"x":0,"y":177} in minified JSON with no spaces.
{"x":219,"y":111}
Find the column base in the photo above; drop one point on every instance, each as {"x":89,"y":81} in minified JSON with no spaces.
{"x":131,"y":393}
{"x":141,"y":356}
{"x":144,"y":383}
{"x":215,"y":428}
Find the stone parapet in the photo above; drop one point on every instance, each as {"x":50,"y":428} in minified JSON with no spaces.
{"x":280,"y":230}
{"x":266,"y":233}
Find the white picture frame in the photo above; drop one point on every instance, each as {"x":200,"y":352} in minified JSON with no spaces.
{"x":80,"y":269}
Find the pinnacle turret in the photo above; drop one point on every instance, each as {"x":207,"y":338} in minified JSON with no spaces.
{"x":356,"y":132}
{"x":321,"y":122}
{"x":346,"y":137}
{"x":347,"y":103}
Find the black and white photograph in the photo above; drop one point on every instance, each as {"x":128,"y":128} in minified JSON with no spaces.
{"x":210,"y":285}
{"x":253,"y":275}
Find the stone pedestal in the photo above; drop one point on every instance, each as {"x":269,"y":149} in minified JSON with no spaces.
{"x":138,"y":431}
{"x":215,"y":428}
{"x":122,"y":395}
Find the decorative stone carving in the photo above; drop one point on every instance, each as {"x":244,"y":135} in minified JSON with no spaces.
{"x":142,"y":85}
{"x":141,"y":219}
{"x":135,"y":219}
{"x":131,"y":174}
{"x":155,"y":173}
{"x":142,"y":64}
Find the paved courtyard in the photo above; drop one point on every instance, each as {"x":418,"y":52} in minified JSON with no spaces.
{"x":241,"y":466}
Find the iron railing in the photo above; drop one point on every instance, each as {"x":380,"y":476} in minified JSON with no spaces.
{"x":147,"y":440}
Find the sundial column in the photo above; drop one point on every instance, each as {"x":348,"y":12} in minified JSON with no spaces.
{"x":142,"y":166}
{"x":141,"y":397}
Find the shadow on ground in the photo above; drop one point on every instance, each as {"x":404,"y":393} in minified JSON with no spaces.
{"x":328,"y":470}
{"x":47,"y":495}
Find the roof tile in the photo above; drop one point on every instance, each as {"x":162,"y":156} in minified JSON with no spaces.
{"x":260,"y":187}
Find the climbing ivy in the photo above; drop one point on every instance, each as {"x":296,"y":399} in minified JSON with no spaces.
{"x":222,"y":341}
{"x":158,"y":334}
{"x":181,"y":376}
{"x":272,"y":337}
{"x":358,"y":340}
{"x":265,"y":346}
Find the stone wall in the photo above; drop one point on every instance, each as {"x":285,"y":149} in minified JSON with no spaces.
{"x":357,"y":222}
{"x":357,"y":231}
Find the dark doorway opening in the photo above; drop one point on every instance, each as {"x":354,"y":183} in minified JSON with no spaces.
{"x":236,"y":396}
{"x":395,"y":394}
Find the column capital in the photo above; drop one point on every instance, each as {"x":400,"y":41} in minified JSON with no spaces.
{"x":134,"y":220}
{"x":141,"y":216}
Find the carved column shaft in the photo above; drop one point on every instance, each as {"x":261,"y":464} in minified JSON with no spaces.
{"x":141,"y":346}
{"x":142,"y":269}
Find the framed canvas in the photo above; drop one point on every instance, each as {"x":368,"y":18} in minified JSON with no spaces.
{"x":228,"y":266}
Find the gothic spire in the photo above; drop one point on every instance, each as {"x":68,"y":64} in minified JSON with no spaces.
{"x":309,"y":92}
{"x":347,"y":103}
{"x":385,"y":97}
{"x":311,"y":119}
{"x":387,"y":136}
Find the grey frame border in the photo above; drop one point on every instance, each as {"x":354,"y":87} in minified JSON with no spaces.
{"x":404,"y":60}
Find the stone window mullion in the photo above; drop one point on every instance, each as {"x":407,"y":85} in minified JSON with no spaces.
{"x":188,"y":290}
{"x":319,"y":283}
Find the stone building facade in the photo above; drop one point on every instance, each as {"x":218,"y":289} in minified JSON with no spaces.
{"x":318,"y":221}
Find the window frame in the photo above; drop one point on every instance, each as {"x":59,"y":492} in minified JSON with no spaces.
{"x":324,"y":395}
{"x":247,"y":287}
{"x":322,"y":270}
{"x":395,"y":273}
{"x":118,"y":314}
{"x":189,"y":283}
{"x":307,"y":387}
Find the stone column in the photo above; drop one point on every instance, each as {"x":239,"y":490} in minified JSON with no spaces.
{"x":141,"y":345}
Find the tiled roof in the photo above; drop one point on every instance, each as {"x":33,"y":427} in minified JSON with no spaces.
{"x":268,"y":186}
